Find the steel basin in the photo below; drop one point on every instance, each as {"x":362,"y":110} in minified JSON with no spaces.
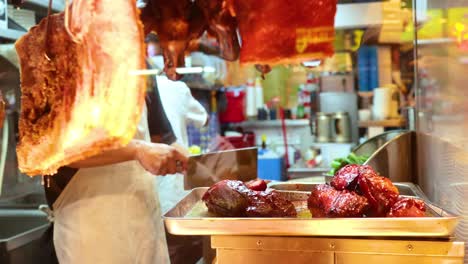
{"x":20,"y":233}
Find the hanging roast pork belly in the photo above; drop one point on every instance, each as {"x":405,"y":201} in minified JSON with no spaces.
{"x":282,"y":31}
{"x":81,"y":99}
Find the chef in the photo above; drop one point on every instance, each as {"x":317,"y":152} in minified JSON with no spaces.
{"x":181,"y":109}
{"x":106,"y":208}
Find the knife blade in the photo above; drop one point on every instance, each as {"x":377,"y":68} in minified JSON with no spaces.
{"x":204,"y":170}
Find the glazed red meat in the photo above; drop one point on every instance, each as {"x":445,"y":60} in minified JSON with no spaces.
{"x":408,"y":207}
{"x":346,"y":177}
{"x":325,"y":201}
{"x":379,"y":191}
{"x":227,"y":198}
{"x":257,"y":185}
{"x":283,"y":31}
{"x":233,"y":198}
{"x":269,"y":204}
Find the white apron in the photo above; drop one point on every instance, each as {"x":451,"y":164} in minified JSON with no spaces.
{"x":111,"y":215}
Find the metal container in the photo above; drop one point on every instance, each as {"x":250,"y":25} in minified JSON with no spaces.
{"x":323,"y":127}
{"x":373,"y":144}
{"x":266,"y":250}
{"x":20,"y":236}
{"x":341,"y":127}
{"x":191,"y":217}
{"x":396,"y":159}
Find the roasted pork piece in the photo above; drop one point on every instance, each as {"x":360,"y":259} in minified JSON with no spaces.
{"x":81,"y":99}
{"x":382,"y":196}
{"x":379,"y":191}
{"x":234,"y":199}
{"x":346,"y":178}
{"x":227,"y":198}
{"x":269,"y":204}
{"x":326,"y":201}
{"x":281,"y":31}
{"x":408,"y":207}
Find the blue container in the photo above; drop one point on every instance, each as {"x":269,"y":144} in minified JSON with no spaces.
{"x":271,"y":168}
{"x":373,"y":68}
{"x":363,"y":69}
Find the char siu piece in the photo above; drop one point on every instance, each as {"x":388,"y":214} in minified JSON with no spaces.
{"x":346,"y":178}
{"x":325,"y":201}
{"x":257,"y":185}
{"x":234,"y":199}
{"x":83,"y":100}
{"x":408,"y":207}
{"x":379,"y":191}
{"x":282,"y":31}
{"x":269,"y":204}
{"x":222,"y":25}
{"x":227,"y":198}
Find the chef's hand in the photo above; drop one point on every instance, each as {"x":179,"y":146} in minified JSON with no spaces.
{"x":160,"y":159}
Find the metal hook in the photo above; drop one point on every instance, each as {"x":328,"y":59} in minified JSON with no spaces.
{"x":46,"y":39}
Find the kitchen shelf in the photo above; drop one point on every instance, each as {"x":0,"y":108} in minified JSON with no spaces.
{"x":275,"y":123}
{"x":383,"y":123}
{"x":435,"y":41}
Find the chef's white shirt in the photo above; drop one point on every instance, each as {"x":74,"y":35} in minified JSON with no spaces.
{"x":180,"y":107}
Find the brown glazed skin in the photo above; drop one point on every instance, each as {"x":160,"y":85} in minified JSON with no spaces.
{"x":78,"y":72}
{"x":46,"y":94}
{"x":234,"y":199}
{"x":408,"y":207}
{"x":326,"y":201}
{"x":269,"y":204}
{"x":227,"y":198}
{"x":357,"y":191}
{"x":379,"y":191}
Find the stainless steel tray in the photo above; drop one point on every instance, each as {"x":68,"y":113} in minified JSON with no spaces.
{"x":191,"y":217}
{"x":405,"y":188}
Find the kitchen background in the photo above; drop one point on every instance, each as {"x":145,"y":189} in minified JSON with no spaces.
{"x":398,"y":65}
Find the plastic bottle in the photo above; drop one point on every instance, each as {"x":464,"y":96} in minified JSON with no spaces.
{"x":258,"y":94}
{"x":251,"y":106}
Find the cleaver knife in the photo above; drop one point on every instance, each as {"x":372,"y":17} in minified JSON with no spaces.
{"x":207,"y":169}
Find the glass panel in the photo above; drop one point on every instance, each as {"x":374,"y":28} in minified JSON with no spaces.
{"x":442,"y":103}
